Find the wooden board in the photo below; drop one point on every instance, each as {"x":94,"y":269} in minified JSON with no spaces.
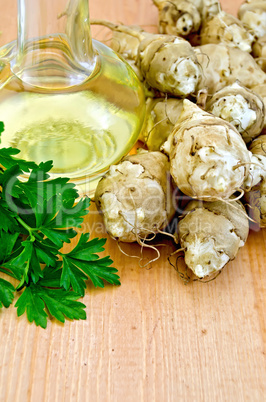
{"x":153,"y":338}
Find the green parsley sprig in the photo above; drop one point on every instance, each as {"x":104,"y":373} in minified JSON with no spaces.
{"x":37,"y":217}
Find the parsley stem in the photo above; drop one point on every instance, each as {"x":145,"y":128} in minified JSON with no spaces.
{"x":27,"y":227}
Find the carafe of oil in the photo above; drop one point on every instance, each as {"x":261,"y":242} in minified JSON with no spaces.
{"x":66,"y":97}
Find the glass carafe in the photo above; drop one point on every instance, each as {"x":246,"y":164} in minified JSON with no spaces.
{"x":65,"y":96}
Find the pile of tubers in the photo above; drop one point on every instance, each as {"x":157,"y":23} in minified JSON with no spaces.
{"x":204,"y":138}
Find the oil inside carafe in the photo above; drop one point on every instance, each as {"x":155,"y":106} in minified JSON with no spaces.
{"x":83,"y":128}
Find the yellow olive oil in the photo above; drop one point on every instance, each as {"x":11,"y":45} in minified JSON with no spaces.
{"x":82,"y":128}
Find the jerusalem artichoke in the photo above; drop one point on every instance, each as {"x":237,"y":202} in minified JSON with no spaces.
{"x":252,"y":13}
{"x":184,"y":17}
{"x":167,"y":63}
{"x":178,"y":17}
{"x":211,"y":234}
{"x":222,"y":65}
{"x":241,"y":107}
{"x":225,"y":28}
{"x":259,"y":52}
{"x":256,"y":196}
{"x":261,"y":91}
{"x":132,"y":197}
{"x":125,"y":44}
{"x":208,"y":157}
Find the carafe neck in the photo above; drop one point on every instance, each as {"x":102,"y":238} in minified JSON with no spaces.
{"x":53,"y":37}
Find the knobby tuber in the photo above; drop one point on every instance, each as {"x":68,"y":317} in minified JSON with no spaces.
{"x":208,"y":156}
{"x":253,"y":14}
{"x":126,"y":44}
{"x":222,"y":65}
{"x":259,"y":52}
{"x":209,"y":8}
{"x":241,"y":107}
{"x":167,"y":63}
{"x":256,"y":196}
{"x":184,"y":17}
{"x":178,"y":17}
{"x":261,"y":91}
{"x":211,"y":234}
{"x":133,"y":197}
{"x":225,"y":28}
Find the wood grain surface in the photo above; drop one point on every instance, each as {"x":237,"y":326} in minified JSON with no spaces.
{"x":153,"y":338}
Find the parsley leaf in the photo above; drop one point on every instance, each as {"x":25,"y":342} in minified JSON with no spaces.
{"x":7,"y":218}
{"x":8,"y":160}
{"x":7,"y":244}
{"x":6,"y":293}
{"x":38,"y":215}
{"x":59,"y":303}
{"x":83,"y":259}
{"x":34,"y":306}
